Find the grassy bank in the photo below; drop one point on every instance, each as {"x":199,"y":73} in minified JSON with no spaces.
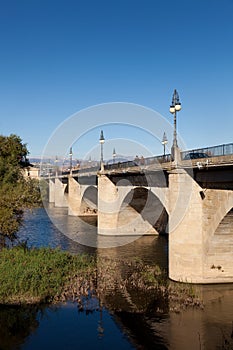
{"x":50,"y":275}
{"x":38,"y":275}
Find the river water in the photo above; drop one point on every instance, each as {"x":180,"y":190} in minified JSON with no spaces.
{"x":111,"y":324}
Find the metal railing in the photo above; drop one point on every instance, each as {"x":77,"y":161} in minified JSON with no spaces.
{"x":139,"y":162}
{"x":215,"y":151}
{"x":123,"y":165}
{"x":82,"y":170}
{"x":220,"y":150}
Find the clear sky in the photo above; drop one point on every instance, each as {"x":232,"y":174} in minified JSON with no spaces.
{"x":61,"y":56}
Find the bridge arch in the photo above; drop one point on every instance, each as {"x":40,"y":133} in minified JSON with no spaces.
{"x":89,"y":199}
{"x":220,"y":203}
{"x":82,"y":199}
{"x":226,"y":224}
{"x":142,"y":212}
{"x":218,"y":210}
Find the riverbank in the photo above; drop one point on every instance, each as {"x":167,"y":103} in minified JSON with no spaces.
{"x":38,"y":275}
{"x":45,"y":275}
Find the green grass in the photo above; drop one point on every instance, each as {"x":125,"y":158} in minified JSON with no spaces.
{"x":38,"y":275}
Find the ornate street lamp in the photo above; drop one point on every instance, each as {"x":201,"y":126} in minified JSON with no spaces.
{"x":164,"y":142}
{"x":113,"y":155}
{"x":175,"y":107}
{"x":102,"y":140}
{"x":71,"y":163}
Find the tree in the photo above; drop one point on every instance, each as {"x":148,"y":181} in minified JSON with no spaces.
{"x":12,"y":154}
{"x":16,"y":193}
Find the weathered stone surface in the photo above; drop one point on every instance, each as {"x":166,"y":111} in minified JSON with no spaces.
{"x":198,"y":252}
{"x":60,"y":198}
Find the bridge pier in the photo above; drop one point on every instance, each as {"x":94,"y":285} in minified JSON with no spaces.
{"x":197,"y":253}
{"x":117,"y":213}
{"x":185,"y":228}
{"x":108,"y":206}
{"x":79,"y":203}
{"x":60,"y":198}
{"x":74,"y":197}
{"x":51,"y":191}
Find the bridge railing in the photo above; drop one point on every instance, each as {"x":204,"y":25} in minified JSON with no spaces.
{"x":158,"y":159}
{"x":120,"y":165}
{"x":123,"y":165}
{"x":220,"y":150}
{"x":215,"y":151}
{"x":139,"y":162}
{"x":83,"y":170}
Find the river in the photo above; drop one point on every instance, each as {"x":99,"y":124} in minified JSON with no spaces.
{"x":111,"y":324}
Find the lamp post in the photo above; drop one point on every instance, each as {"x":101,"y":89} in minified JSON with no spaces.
{"x":113,"y":155}
{"x":164,"y":142}
{"x":71,"y":154}
{"x":56,"y":168}
{"x":175,"y":107}
{"x":102,"y":140}
{"x":63,"y":164}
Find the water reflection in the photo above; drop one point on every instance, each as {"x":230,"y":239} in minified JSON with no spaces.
{"x":39,"y":231}
{"x":83,"y":229}
{"x":117,"y":320}
{"x":61,"y":327}
{"x":16,"y":324}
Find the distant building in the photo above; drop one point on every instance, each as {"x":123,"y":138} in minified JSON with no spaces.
{"x":32,"y":172}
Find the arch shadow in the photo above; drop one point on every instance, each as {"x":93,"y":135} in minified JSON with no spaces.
{"x":225,"y":227}
{"x":145,"y":203}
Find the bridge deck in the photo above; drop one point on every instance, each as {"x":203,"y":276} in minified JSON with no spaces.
{"x":132,"y":168}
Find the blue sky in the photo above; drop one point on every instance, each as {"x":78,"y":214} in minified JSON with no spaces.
{"x":61,"y":56}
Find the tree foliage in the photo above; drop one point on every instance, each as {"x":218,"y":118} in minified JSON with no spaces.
{"x":16,"y":193}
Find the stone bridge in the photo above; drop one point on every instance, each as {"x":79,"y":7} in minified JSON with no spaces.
{"x":192,"y":204}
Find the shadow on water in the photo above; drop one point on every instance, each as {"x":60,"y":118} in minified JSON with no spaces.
{"x":62,"y":327}
{"x":16,"y":324}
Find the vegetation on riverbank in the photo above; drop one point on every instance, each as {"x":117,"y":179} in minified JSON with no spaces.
{"x":38,"y":275}
{"x":144,"y":288}
{"x":16,"y":192}
{"x":42,"y":275}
